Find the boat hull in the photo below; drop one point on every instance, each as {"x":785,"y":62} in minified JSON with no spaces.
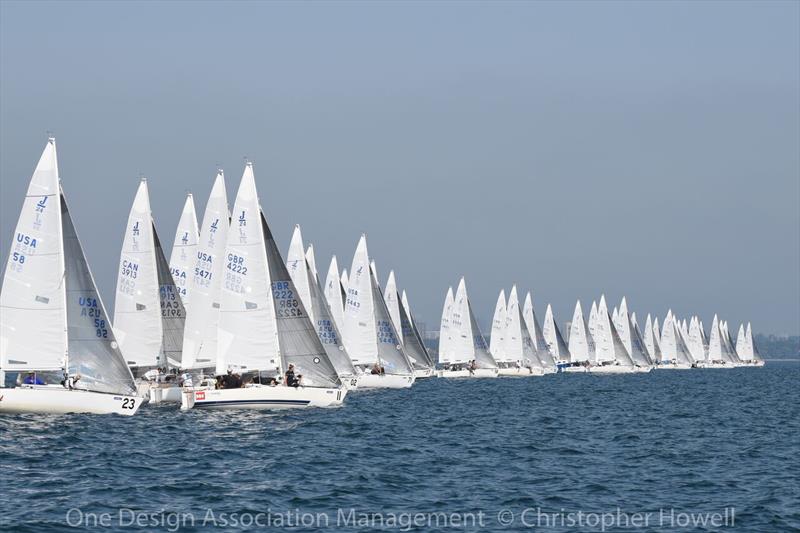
{"x":262,"y":397}
{"x":520,"y":372}
{"x":612,"y":369}
{"x":477,"y":373}
{"x":575,"y":369}
{"x":674,"y":366}
{"x":49,"y":399}
{"x":422,"y":373}
{"x":385,"y":381}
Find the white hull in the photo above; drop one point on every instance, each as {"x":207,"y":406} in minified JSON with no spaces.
{"x":612,"y":369}
{"x":422,"y":373}
{"x":642,"y":369}
{"x":385,"y":381}
{"x":477,"y":373}
{"x":53,"y":399}
{"x":165,"y":393}
{"x":520,"y":372}
{"x":575,"y":369}
{"x":705,"y":364}
{"x":264,"y":397}
{"x":674,"y":366}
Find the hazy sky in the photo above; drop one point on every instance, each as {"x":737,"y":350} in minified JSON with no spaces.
{"x":644,"y":149}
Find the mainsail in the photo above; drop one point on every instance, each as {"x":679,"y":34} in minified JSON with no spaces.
{"x":581,"y":344}
{"x":608,"y":345}
{"x":205,"y":283}
{"x":247,"y":333}
{"x":552,"y":337}
{"x":333,"y":294}
{"x":33,"y":320}
{"x":497,"y":338}
{"x":536,"y":334}
{"x":445,"y":329}
{"x":296,"y":263}
{"x":184,"y":251}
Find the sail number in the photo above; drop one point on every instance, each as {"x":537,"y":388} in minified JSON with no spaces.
{"x":385,"y":332}
{"x":286,"y":305}
{"x":236,"y":264}
{"x":128,"y":403}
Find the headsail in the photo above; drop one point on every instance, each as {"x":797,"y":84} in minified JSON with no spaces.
{"x":333,"y":294}
{"x":296,"y":264}
{"x":428,"y":361}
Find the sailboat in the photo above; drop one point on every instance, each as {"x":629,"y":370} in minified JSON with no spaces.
{"x":414,"y":331}
{"x":581,"y":344}
{"x":631,"y":340}
{"x":696,"y":345}
{"x":674,"y":352}
{"x":54,"y":331}
{"x":369,"y":334}
{"x":264,"y":328}
{"x":746,"y":348}
{"x":497,"y":341}
{"x":544,"y":357}
{"x":637,"y":337}
{"x":304,"y":276}
{"x":470,"y":353}
{"x":149,"y":315}
{"x":611,"y":356}
{"x":519,"y":346}
{"x":205,"y":283}
{"x":555,"y":341}
{"x":184,"y":250}
{"x":407,"y":334}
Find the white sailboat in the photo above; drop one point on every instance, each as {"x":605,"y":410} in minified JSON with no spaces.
{"x":674,"y":352}
{"x":335,"y":294}
{"x":555,"y":341}
{"x":544,"y":357}
{"x":470,"y":353}
{"x":54,"y":331}
{"x":407,"y":334}
{"x":205,"y":284}
{"x":632,"y":342}
{"x":301,"y":269}
{"x":611,"y":356}
{"x":581,"y":344}
{"x":423,"y":350}
{"x":717,"y":355}
{"x":746,"y":347}
{"x":149,"y":315}
{"x":445,"y":353}
{"x":638,"y":337}
{"x":264,"y":328}
{"x":519,"y":345}
{"x":695,"y":344}
{"x":184,"y":251}
{"x":369,"y":334}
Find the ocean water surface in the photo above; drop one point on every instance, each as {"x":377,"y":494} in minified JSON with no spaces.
{"x":447,"y":455}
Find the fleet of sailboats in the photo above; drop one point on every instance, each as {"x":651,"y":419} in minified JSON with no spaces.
{"x":227,"y":323}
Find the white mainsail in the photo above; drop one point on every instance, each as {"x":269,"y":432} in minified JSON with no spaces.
{"x":552,"y":336}
{"x":247,"y":332}
{"x":296,"y":264}
{"x":392,"y":299}
{"x":137,"y":312}
{"x":639,"y":338}
{"x":33,"y":317}
{"x":520,"y":346}
{"x":333,"y":294}
{"x":184,"y":251}
{"x":446,"y":330}
{"x":359,"y":315}
{"x":205,"y":284}
{"x":497,"y":338}
{"x":581,"y":344}
{"x":470,"y":345}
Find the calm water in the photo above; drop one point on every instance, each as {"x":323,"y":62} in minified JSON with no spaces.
{"x":690,"y":441}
